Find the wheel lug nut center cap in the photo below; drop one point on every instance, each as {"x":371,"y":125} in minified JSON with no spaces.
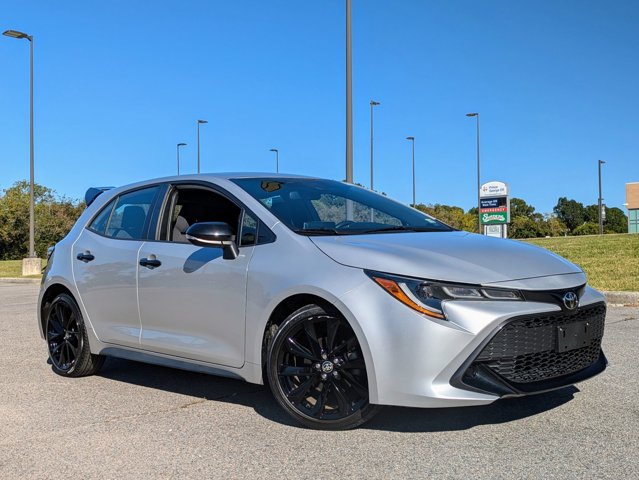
{"x":327,"y":367}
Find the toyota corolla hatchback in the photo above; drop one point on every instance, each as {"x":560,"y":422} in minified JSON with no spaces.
{"x":341,"y":299}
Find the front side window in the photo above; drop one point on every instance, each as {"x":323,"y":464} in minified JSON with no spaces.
{"x":327,"y":207}
{"x":128,"y":218}
{"x":191,"y":205}
{"x":249,"y":230}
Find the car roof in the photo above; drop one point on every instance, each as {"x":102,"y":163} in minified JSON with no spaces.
{"x":93,"y":192}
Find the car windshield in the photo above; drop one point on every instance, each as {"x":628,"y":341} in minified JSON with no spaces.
{"x":327,"y":207}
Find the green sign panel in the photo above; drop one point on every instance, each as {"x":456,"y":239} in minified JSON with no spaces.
{"x":493,"y":218}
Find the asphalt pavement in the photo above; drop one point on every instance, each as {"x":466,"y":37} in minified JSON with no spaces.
{"x":139,"y":421}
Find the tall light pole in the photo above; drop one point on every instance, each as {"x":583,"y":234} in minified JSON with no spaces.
{"x":349,"y":108}
{"x":412,"y":140}
{"x":178,"y":155}
{"x":21,"y":35}
{"x":277,"y":159}
{"x":349,"y":96}
{"x":199,"y":122}
{"x":600,"y":199}
{"x":478,"y":177}
{"x":373,"y":104}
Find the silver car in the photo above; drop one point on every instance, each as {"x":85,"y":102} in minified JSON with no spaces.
{"x":341,"y":299}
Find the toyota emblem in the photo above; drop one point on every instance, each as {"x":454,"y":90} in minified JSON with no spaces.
{"x":571,"y":301}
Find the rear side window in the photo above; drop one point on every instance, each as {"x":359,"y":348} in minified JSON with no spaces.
{"x":126,"y":216}
{"x":130,"y":214}
{"x":100,"y":222}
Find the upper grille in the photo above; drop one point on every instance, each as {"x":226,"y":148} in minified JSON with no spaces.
{"x":524,"y":350}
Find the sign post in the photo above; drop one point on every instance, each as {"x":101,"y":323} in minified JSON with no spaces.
{"x":494,"y":209}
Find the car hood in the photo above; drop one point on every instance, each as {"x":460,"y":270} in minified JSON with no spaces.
{"x":449,"y":256}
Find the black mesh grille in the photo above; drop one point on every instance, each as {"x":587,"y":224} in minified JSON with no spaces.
{"x":524,"y":350}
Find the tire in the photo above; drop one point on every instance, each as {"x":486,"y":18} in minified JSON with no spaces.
{"x":67,"y":340}
{"x":316,"y":371}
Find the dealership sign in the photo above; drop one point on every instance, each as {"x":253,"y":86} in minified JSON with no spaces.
{"x":494,"y":204}
{"x":493,"y":189}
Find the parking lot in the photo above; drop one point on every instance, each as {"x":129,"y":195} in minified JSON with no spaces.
{"x":141,"y":421}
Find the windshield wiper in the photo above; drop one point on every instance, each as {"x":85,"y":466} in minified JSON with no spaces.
{"x":317,"y":231}
{"x":402,"y":228}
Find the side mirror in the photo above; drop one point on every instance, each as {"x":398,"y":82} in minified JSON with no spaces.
{"x":214,"y":234}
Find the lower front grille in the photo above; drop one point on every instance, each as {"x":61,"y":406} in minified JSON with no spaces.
{"x":524,"y":353}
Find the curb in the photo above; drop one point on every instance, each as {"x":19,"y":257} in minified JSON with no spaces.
{"x":627,"y":299}
{"x":10,"y":280}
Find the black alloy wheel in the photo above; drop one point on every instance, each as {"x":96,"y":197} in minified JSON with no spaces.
{"x":67,"y":340}
{"x":316,"y":371}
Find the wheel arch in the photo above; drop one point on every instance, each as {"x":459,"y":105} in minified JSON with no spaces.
{"x":333,"y":305}
{"x":47,"y":297}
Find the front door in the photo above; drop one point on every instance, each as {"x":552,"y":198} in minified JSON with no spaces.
{"x":192,"y":304}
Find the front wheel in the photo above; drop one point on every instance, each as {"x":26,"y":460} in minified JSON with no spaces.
{"x":316,"y":371}
{"x":67,"y":339}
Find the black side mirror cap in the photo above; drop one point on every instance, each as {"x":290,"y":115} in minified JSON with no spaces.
{"x":214,"y":234}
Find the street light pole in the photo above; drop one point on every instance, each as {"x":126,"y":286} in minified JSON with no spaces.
{"x":349,"y":101}
{"x":373,"y":104}
{"x":178,"y":156}
{"x":600,"y":199}
{"x":21,"y":35}
{"x":277,"y":159}
{"x":412,"y":140}
{"x":199,"y":122}
{"x":478,"y":175}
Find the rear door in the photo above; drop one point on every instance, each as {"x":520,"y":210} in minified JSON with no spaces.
{"x":105,"y":260}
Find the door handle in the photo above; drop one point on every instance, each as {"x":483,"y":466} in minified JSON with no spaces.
{"x":150,"y":262}
{"x":85,"y":257}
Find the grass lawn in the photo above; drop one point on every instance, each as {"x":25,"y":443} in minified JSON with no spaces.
{"x":13,"y":268}
{"x":611,"y":262}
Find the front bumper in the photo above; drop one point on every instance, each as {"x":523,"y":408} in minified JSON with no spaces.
{"x":524,"y":355}
{"x":416,"y":361}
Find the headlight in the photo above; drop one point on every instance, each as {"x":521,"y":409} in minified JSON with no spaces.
{"x":427,"y":296}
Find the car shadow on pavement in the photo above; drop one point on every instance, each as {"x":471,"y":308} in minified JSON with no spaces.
{"x":396,"y":419}
{"x":399,"y":419}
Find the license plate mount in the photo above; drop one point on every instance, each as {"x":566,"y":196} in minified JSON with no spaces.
{"x":573,"y":336}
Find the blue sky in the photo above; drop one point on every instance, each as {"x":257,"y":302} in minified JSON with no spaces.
{"x":119,"y":83}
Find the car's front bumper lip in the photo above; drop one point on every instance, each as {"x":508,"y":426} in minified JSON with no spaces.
{"x":412,"y":360}
{"x":490,"y":382}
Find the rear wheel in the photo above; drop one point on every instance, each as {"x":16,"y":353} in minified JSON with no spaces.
{"x":316,"y":371}
{"x":67,"y":339}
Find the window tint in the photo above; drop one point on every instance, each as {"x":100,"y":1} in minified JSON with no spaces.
{"x":130,"y":214}
{"x":99,"y":223}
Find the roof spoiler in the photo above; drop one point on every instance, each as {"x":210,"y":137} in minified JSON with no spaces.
{"x":93,"y":193}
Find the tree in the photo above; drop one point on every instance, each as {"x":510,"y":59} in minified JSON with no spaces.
{"x":588,"y":228}
{"x":570,"y":212}
{"x":523,"y":227}
{"x":54,"y":217}
{"x":451,"y":215}
{"x":556,"y":228}
{"x":591,"y":214}
{"x":616,"y":221}
{"x":519,"y":208}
